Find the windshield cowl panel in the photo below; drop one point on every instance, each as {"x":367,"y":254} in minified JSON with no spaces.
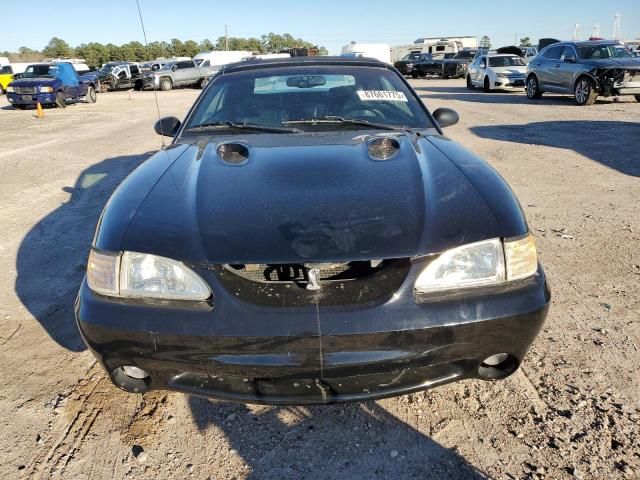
{"x":309,"y":98}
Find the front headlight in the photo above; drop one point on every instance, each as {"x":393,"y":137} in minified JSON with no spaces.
{"x":46,"y":89}
{"x":479,"y":264}
{"x":140,"y":275}
{"x":10,"y":89}
{"x":501,"y":75}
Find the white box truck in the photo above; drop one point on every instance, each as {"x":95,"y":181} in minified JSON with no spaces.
{"x":379,"y":51}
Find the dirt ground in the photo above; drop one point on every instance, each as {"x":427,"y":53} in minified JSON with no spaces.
{"x":571,"y":411}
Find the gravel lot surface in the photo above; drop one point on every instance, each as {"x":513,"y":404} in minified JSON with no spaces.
{"x":572,"y":411}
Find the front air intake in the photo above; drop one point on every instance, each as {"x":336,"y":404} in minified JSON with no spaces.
{"x":383,"y":148}
{"x":233,"y":153}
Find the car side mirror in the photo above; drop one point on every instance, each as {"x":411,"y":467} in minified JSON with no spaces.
{"x":167,"y":126}
{"x":446,"y":117}
{"x":174,"y":68}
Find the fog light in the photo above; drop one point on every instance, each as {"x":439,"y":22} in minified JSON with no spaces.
{"x":493,"y":360}
{"x":134,"y":372}
{"x":498,"y":366}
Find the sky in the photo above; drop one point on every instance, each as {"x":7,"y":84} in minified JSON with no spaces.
{"x":329,"y":23}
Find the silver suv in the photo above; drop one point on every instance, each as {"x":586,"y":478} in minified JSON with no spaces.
{"x":584,"y":69}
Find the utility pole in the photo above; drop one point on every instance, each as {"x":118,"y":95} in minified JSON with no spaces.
{"x":226,"y":38}
{"x":577,"y":32}
{"x":616,"y":26}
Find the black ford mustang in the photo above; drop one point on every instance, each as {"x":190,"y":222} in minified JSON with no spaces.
{"x":310,"y":237}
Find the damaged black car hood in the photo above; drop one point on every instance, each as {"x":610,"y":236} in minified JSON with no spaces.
{"x":308,"y":197}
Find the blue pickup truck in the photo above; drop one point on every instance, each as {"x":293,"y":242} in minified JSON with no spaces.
{"x":49,"y":84}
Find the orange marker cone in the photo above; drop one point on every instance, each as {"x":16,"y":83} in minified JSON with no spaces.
{"x":40,"y":111}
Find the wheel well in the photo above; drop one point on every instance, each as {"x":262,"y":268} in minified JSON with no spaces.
{"x":532,"y":75}
{"x":588,"y":77}
{"x":166,"y":78}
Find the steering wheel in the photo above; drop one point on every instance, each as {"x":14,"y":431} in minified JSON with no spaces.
{"x":368,"y":112}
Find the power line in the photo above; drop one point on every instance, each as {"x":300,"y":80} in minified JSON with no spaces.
{"x":146,"y":45}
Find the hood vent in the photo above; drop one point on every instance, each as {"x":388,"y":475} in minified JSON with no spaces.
{"x":383,"y":148}
{"x":233,"y":153}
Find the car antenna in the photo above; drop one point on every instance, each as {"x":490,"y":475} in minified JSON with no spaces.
{"x":146,"y":46}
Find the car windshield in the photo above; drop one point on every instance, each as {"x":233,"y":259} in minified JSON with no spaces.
{"x":107,"y":67}
{"x":595,"y":52}
{"x":34,"y":71}
{"x":167,"y":66}
{"x":411,"y":56}
{"x":310,"y":97}
{"x":465,"y":55}
{"x":506,"y":62}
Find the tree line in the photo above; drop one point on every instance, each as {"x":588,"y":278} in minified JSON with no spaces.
{"x":96,"y":54}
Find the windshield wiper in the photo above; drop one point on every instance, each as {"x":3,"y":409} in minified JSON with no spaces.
{"x":335,"y":119}
{"x":241,"y":126}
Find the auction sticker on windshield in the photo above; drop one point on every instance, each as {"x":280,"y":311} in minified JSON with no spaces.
{"x":389,"y":95}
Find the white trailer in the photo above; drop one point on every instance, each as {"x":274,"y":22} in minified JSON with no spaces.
{"x":267,"y":56}
{"x":465,"y":41}
{"x":217,"y":59}
{"x":379,"y":51}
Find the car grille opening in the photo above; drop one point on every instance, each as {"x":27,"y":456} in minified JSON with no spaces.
{"x":299,"y":272}
{"x":25,"y":90}
{"x":361,"y":283}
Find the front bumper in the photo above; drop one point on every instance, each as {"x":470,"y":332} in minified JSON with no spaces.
{"x":31,"y":99}
{"x":509,"y":83}
{"x":240,"y":351}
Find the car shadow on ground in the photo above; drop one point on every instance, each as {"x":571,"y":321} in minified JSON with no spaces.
{"x":613,"y":144}
{"x":350,"y":441}
{"x":52,"y":256}
{"x":47,"y":106}
{"x":516,"y":97}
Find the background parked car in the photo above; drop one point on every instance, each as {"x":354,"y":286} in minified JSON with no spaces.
{"x":456,"y":67}
{"x":405,"y":66}
{"x":497,"y":72}
{"x":182,"y":73}
{"x":528,"y":53}
{"x":6,"y":75}
{"x":584,"y":69}
{"x":49,"y":83}
{"x":427,"y":65}
{"x":118,"y":76}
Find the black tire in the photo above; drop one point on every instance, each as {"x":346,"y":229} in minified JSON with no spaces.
{"x":446,"y":77}
{"x":166,"y":84}
{"x":414,"y":74}
{"x":204,"y":82}
{"x":487,"y":85}
{"x":533,"y":88}
{"x":138,"y":85}
{"x":469,"y":83}
{"x":91,"y":96}
{"x":20,"y":107}
{"x":60,"y":101}
{"x":584,"y":92}
{"x":638,"y":98}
